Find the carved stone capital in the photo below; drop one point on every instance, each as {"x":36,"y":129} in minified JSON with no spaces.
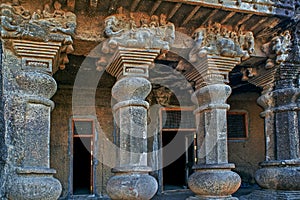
{"x":211,"y":69}
{"x":219,"y":40}
{"x":17,"y":22}
{"x":42,"y":38}
{"x":132,"y":62}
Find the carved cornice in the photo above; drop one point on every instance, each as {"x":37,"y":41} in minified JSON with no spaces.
{"x":42,"y":38}
{"x":221,"y":41}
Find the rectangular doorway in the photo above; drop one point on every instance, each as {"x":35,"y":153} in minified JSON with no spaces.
{"x":176,"y":173}
{"x":178,"y":142}
{"x":82,"y":154}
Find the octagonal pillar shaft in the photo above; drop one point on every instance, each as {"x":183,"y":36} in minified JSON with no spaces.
{"x":131,"y":179}
{"x":213,"y":178}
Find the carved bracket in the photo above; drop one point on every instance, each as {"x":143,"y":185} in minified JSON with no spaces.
{"x":135,"y":30}
{"x":277,"y":49}
{"x":221,"y":41}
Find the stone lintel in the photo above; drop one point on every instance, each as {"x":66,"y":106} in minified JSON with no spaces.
{"x":132,"y":62}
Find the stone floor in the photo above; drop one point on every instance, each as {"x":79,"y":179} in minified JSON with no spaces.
{"x":172,"y":195}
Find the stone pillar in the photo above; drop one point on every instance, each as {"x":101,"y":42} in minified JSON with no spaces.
{"x":132,"y":179}
{"x":279,"y":175}
{"x":213,"y":178}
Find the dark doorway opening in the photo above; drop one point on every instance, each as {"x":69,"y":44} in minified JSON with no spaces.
{"x":82,"y":150}
{"x":82,"y":173}
{"x":175,"y":175}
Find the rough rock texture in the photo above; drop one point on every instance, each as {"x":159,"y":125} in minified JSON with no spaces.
{"x":28,"y":107}
{"x":33,"y":52}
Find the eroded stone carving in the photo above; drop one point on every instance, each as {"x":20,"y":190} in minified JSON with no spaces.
{"x":40,"y":25}
{"x":222,"y":41}
{"x":277,"y":49}
{"x":136,"y":30}
{"x":125,"y":31}
{"x":44,"y":26}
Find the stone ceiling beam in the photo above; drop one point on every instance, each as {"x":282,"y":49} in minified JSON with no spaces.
{"x":134,"y":5}
{"x":286,"y":9}
{"x":228,"y":17}
{"x":259,"y":23}
{"x":271,"y":24}
{"x":174,"y":10}
{"x":155,"y":7}
{"x":209,"y":17}
{"x":191,"y":15}
{"x":244,"y":19}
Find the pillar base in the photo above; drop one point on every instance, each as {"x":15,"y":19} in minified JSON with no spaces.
{"x":132,"y":183}
{"x":34,"y":184}
{"x":214,"y":181}
{"x":279,"y":175}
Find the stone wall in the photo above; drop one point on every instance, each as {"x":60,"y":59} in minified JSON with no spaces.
{"x":60,"y":130}
{"x":246,"y":154}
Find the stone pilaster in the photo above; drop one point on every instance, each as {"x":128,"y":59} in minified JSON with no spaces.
{"x":213,"y":178}
{"x":27,"y":88}
{"x":35,"y":46}
{"x":132,"y":179}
